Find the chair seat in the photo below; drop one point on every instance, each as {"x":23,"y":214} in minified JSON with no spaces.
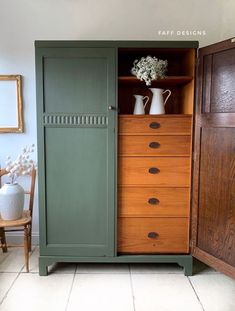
{"x":24,"y":220}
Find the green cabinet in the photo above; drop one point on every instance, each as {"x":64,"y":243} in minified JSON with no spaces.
{"x":77,"y":110}
{"x":76,"y":134}
{"x":82,"y":86}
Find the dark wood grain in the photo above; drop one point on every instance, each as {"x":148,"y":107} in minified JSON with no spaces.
{"x":216,"y":221}
{"x":213,"y":201}
{"x":207,"y":83}
{"x":223,"y":82}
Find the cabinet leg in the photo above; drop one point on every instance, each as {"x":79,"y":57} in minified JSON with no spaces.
{"x":43,"y":268}
{"x":188,"y":267}
{"x":187,"y":264}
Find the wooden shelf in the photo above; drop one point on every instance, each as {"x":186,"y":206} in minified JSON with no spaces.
{"x":168,"y":81}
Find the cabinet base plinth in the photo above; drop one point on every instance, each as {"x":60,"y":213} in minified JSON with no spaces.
{"x":185,"y":261}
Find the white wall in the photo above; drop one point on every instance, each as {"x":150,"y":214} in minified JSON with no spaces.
{"x":22,"y":22}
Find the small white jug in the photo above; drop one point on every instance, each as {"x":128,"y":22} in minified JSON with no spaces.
{"x":158,"y":103}
{"x":139,"y":104}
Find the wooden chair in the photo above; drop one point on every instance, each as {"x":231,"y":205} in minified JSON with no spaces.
{"x":24,"y":223}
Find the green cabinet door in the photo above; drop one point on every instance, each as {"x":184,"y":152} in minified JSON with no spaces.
{"x":76,"y":150}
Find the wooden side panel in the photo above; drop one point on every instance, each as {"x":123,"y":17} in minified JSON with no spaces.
{"x":153,"y":235}
{"x":216,"y":220}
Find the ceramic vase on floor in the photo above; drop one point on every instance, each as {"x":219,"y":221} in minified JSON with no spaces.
{"x":11,"y":201}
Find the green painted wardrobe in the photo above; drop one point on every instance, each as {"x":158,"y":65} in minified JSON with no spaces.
{"x":123,"y":188}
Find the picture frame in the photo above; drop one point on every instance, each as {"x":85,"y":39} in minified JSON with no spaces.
{"x":11,"y":104}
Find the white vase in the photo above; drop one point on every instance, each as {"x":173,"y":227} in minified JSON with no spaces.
{"x":139,"y":104}
{"x":158,"y":103}
{"x":11,"y":201}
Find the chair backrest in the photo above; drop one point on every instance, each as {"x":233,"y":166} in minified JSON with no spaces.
{"x":32,"y":187}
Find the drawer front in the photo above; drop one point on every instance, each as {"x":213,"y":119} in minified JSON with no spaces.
{"x":153,"y":202}
{"x":154,"y":145}
{"x":153,"y":235}
{"x":155,"y":171}
{"x":150,"y":125}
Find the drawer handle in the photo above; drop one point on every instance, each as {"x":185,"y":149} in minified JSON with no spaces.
{"x":154,"y":170}
{"x":153,"y":201}
{"x":154,"y":145}
{"x":154,"y":125}
{"x":152,"y":235}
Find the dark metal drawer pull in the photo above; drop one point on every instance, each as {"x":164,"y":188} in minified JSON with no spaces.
{"x":154,"y":125}
{"x":152,"y":235}
{"x":153,"y":201}
{"x":154,"y":170}
{"x":154,"y":145}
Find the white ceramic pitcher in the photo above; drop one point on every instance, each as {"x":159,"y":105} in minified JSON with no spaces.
{"x":140,"y":104}
{"x":158,"y":103}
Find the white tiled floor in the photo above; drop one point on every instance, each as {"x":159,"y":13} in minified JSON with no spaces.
{"x":95,"y":287}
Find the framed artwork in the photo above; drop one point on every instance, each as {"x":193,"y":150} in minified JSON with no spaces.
{"x":11,"y":106}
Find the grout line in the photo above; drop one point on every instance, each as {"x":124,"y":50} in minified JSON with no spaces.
{"x":71,"y":287}
{"x":195,"y":293}
{"x":6,"y":294}
{"x":132,"y":288}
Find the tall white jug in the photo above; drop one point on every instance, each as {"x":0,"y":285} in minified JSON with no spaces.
{"x":158,"y":103}
{"x":139,"y":104}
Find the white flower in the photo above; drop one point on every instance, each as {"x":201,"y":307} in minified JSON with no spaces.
{"x":22,"y":165}
{"x":149,"y":68}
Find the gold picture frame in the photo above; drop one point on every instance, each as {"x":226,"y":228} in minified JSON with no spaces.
{"x":11,"y":105}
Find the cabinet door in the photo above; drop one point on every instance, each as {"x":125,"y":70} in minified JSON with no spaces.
{"x":76,"y":151}
{"x":213,"y":226}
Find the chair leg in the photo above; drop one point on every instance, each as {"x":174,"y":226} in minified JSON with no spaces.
{"x":30,"y":238}
{"x":26,"y":247}
{"x":3,"y":240}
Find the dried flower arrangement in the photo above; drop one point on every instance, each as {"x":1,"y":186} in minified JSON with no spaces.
{"x":22,"y":165}
{"x":149,"y":68}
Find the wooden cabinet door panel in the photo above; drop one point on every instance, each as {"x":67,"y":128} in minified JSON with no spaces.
{"x":76,"y":134}
{"x":213,"y":221}
{"x":216,"y":232}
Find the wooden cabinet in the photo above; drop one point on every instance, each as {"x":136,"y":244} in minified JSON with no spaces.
{"x":154,"y":180}
{"x":118,"y":187}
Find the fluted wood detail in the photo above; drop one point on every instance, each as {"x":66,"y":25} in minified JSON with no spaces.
{"x":85,"y":120}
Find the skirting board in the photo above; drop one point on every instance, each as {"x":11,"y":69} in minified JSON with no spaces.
{"x":17,"y":238}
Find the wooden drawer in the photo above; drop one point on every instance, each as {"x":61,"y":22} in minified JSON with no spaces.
{"x":153,"y":235}
{"x":154,"y":145}
{"x":153,"y":202}
{"x":150,"y":125}
{"x":155,"y":171}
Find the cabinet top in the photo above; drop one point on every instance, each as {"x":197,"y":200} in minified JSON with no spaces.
{"x":117,"y":44}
